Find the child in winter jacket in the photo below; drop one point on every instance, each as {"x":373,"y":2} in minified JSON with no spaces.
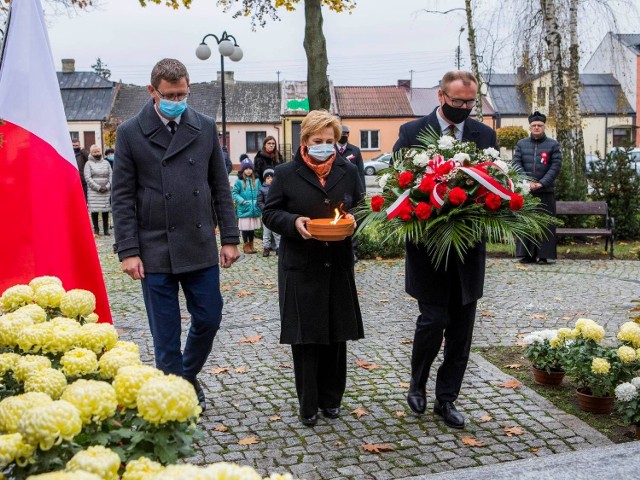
{"x":245,"y":195}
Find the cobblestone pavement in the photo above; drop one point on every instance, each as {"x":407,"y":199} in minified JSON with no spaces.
{"x":256,"y":396}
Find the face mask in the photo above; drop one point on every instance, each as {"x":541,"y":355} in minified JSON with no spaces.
{"x":321,"y":152}
{"x":343,"y":140}
{"x":456,"y":115}
{"x":109,"y":157}
{"x":172,"y":109}
{"x":97,"y":157}
{"x":76,"y":150}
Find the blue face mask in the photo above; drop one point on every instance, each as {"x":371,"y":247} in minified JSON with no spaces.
{"x":109,"y":157}
{"x":321,"y":152}
{"x":172,"y":109}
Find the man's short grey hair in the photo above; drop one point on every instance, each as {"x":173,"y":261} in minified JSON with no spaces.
{"x":170,"y":70}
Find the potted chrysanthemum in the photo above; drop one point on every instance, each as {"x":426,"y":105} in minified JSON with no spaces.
{"x":545,"y":350}
{"x":628,"y":402}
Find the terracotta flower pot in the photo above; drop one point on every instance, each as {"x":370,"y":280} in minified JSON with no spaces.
{"x":541,"y":376}
{"x":591,"y":404}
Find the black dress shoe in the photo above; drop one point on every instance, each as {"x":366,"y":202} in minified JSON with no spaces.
{"x":309,"y":421}
{"x":417,"y":401}
{"x":202,"y":401}
{"x":543,"y":261}
{"x":331,"y":412}
{"x":451,"y":416}
{"x":527,"y":260}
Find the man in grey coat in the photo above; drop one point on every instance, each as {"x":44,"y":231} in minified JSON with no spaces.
{"x":169,"y":187}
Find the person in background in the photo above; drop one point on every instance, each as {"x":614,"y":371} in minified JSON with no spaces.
{"x":227,"y":160}
{"x":97,"y":174}
{"x":540,"y":158}
{"x":266,"y":233}
{"x":108,"y":155}
{"x":245,"y":194}
{"x":81,"y":160}
{"x":319,"y":309}
{"x":169,"y":188}
{"x":351,"y":153}
{"x":267,"y":157}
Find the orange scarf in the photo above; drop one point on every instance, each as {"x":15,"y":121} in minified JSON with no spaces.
{"x":321,"y":170}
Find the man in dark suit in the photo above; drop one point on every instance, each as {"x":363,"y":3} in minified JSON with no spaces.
{"x":351,"y":153}
{"x":169,"y":187}
{"x":447,"y":298}
{"x":82,"y":156}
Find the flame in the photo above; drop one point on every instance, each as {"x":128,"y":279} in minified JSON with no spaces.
{"x":337,"y":217}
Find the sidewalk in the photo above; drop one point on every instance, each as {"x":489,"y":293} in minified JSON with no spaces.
{"x":256,"y":396}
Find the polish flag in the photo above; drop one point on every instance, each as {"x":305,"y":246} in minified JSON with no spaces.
{"x":44,"y":224}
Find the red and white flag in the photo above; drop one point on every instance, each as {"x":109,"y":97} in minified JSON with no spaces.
{"x":44,"y":224}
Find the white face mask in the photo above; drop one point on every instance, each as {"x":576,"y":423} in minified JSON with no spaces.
{"x":321,"y":152}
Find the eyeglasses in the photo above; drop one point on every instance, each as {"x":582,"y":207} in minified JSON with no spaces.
{"x":536,"y":126}
{"x":458,"y":102}
{"x":176,"y":97}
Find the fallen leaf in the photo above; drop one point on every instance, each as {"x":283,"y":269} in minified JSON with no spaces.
{"x":235,"y":282}
{"x":121,"y":331}
{"x":472,"y":442}
{"x":338,"y":443}
{"x":565,"y":318}
{"x":635,"y":309}
{"x":487,"y":313}
{"x":378,"y":258}
{"x":514,"y":366}
{"x":248,"y":441}
{"x":360,"y":412}
{"x":367,"y":365}
{"x":404,"y":385}
{"x":243,"y":293}
{"x":380,"y":448}
{"x":511,"y":431}
{"x":520,"y":344}
{"x":218,"y":371}
{"x":557,"y":299}
{"x":521,"y":335}
{"x":383,"y":300}
{"x":533,"y":449}
{"x":406,"y":342}
{"x":237,"y":405}
{"x":253,"y":339}
{"x":226,"y":288}
{"x":401,"y":413}
{"x":221,"y":428}
{"x":284,"y":365}
{"x":522,"y":267}
{"x":513,"y":383}
{"x":241,"y":370}
{"x":538,"y":316}
{"x":257,"y":317}
{"x":486,"y":418}
{"x":275,"y":418}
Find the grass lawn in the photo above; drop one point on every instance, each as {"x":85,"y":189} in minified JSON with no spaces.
{"x":563,"y":396}
{"x":593,"y":250}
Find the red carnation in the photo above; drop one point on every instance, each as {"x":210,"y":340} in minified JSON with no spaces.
{"x":376,"y":203}
{"x":427,"y":184}
{"x":493,"y":201}
{"x":457,"y":196}
{"x":516,"y":202}
{"x":404,"y":212}
{"x":441,"y":190}
{"x":423,"y":211}
{"x":444,"y":168}
{"x":405,"y":179}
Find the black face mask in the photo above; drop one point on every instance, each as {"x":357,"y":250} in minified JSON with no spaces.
{"x":456,"y":115}
{"x":97,"y":157}
{"x":76,"y":150}
{"x":343,"y":140}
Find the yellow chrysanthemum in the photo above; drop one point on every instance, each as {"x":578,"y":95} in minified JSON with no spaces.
{"x":77,"y":302}
{"x":582,"y":322}
{"x":92,"y":318}
{"x":13,"y":408}
{"x":627,"y":354}
{"x":110,"y":362}
{"x":48,"y":380}
{"x":566,"y":333}
{"x":27,"y":364}
{"x":34,"y":338}
{"x":79,"y":475}
{"x":49,"y":296}
{"x":11,"y":325}
{"x":13,"y":449}
{"x":129,"y":346}
{"x":97,"y":459}
{"x":280,"y":476}
{"x":128,"y":381}
{"x":231,"y":470}
{"x":95,"y":400}
{"x":141,"y":469}
{"x":593,"y":332}
{"x":51,"y":424}
{"x":44,"y":280}
{"x":185,"y":472}
{"x":7,"y":362}
{"x":78,"y":362}
{"x":15,"y":297}
{"x":600,"y":366}
{"x":35,"y":312}
{"x":66,"y":335}
{"x":97,"y":336}
{"x":168,"y":398}
{"x":630,"y":332}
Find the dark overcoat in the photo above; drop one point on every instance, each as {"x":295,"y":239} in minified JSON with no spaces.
{"x":422,"y":280}
{"x":354,"y":155}
{"x":168,"y":191}
{"x":316,"y":284}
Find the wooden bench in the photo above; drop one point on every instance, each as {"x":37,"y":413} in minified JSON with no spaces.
{"x":588,"y":208}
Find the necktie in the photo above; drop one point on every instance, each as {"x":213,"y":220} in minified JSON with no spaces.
{"x":451,"y":131}
{"x":341,"y":150}
{"x":172,"y":126}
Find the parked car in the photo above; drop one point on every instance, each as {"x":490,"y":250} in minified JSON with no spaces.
{"x":373,"y":166}
{"x":634,"y":156}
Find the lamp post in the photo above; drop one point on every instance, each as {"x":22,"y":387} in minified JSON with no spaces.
{"x":228,"y":47}
{"x":458,"y":50}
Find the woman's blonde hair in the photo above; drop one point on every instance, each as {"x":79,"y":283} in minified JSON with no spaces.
{"x":317,"y":120}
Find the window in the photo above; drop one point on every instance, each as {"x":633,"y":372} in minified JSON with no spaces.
{"x":369,"y":139}
{"x":621,"y":137}
{"x":75,"y":136}
{"x":542,"y":96}
{"x":255,"y":140}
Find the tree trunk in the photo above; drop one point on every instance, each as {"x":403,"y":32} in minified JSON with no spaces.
{"x":316,"y":49}
{"x":474,"y":57}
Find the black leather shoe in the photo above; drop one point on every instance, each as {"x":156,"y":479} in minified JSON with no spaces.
{"x":309,"y":421}
{"x":527,"y":260}
{"x":202,"y":401}
{"x":451,"y":416}
{"x":331,"y":412}
{"x":417,"y":400}
{"x":543,"y":261}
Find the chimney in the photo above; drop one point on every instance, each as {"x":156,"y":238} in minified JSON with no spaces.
{"x":68,"y":65}
{"x":228,"y":77}
{"x":406,"y":84}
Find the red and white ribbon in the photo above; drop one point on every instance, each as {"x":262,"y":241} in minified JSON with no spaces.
{"x":484,"y":179}
{"x":392,"y":211}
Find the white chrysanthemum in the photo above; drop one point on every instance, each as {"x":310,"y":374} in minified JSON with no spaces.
{"x":421,"y":159}
{"x":540,"y":336}
{"x":492,"y":152}
{"x":28,"y":364}
{"x":47,"y":380}
{"x":461,"y":158}
{"x":502,"y":165}
{"x":11,"y":325}
{"x":113,"y":360}
{"x":446,"y":142}
{"x":625,"y":392}
{"x":15,"y":297}
{"x":13,"y":408}
{"x":49,"y":296}
{"x":35,"y":312}
{"x":168,"y":398}
{"x":97,"y":459}
{"x":78,"y":362}
{"x":141,"y":469}
{"x":78,"y":302}
{"x":382,"y":181}
{"x":44,"y":280}
{"x":95,"y":400}
{"x":635,"y":382}
{"x":49,"y":425}
{"x":524,"y":187}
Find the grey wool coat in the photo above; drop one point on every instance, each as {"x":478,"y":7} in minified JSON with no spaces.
{"x":169,"y":191}
{"x":97,"y":173}
{"x":316,"y":285}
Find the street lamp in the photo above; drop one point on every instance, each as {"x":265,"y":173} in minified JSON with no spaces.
{"x":458,"y":50}
{"x":227,"y":48}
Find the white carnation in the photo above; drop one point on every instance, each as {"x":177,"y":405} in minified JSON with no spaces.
{"x":502,"y":165}
{"x":446,"y":142}
{"x":382,"y":181}
{"x":492,"y":152}
{"x":525,"y":187}
{"x":540,"y":336}
{"x":421,"y":159}
{"x":461,"y":157}
{"x":625,"y":392}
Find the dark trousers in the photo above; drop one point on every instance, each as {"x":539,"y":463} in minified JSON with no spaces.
{"x":204,"y":302}
{"x":321,"y":375}
{"x":95,"y":216}
{"x":453,"y":322}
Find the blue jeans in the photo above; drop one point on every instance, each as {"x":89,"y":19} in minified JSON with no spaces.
{"x":204,"y":302}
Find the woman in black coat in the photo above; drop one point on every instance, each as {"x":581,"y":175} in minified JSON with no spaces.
{"x":318,"y":299}
{"x":267,"y":157}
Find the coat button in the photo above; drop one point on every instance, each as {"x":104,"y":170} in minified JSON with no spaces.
{"x":327,"y":201}
{"x":192,"y":161}
{"x":327,"y":264}
{"x":196,"y":192}
{"x":168,"y":196}
{"x":164,"y":163}
{"x":171,"y":229}
{"x":198,"y":225}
